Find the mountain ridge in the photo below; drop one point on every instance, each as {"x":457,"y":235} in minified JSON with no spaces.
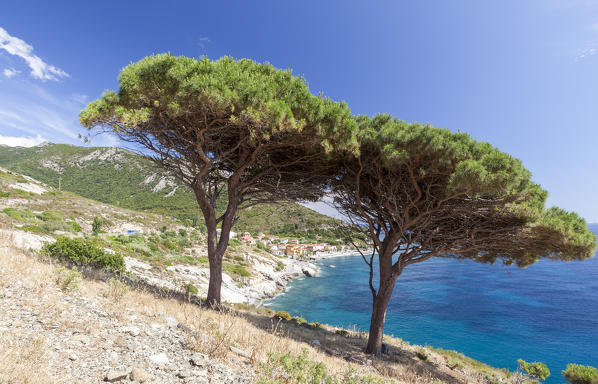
{"x":97,"y":173}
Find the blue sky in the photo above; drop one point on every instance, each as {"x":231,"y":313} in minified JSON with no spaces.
{"x":522,"y":75}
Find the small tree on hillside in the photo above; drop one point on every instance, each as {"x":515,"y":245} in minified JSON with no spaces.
{"x":421,"y":192}
{"x":96,"y":225}
{"x":580,"y":374}
{"x":238,"y":130}
{"x":531,"y":372}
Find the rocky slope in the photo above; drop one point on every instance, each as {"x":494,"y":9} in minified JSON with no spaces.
{"x":34,"y":208}
{"x":59,"y":327}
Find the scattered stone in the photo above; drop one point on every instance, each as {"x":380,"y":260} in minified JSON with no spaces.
{"x":171,"y":321}
{"x":133,"y":331}
{"x":73,"y":357}
{"x":240,"y":352}
{"x":159,"y":359}
{"x":307,"y":273}
{"x":316,"y":342}
{"x":139,"y":375}
{"x":183,"y":374}
{"x":197,"y":359}
{"x":114,"y":376}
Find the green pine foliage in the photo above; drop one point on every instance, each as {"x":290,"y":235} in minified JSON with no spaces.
{"x":536,"y":369}
{"x":580,"y":374}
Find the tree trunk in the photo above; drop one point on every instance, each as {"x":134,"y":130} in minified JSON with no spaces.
{"x":215,"y":284}
{"x":382,"y":297}
{"x":215,"y":260}
{"x":378,"y":320}
{"x":217,"y":246}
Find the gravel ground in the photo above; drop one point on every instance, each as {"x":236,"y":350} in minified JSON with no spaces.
{"x":81,"y":342}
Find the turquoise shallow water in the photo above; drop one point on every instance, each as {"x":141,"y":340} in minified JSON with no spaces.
{"x":547,"y":312}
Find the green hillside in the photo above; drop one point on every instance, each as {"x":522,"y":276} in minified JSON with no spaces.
{"x":128,"y":180}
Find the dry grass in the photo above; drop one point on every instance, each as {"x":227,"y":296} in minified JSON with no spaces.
{"x":22,"y":359}
{"x":213,"y":333}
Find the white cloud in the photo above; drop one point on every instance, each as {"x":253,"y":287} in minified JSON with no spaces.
{"x":10,"y":72}
{"x":14,"y":141}
{"x":591,"y":50}
{"x":39,"y":69}
{"x":203,"y":42}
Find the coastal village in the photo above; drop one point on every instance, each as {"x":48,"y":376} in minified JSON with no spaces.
{"x":289,"y":247}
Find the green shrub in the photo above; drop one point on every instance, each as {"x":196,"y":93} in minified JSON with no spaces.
{"x":580,"y":374}
{"x":140,"y":248}
{"x":536,"y":369}
{"x":300,"y":320}
{"x":4,"y":194}
{"x":18,"y":214}
{"x":47,"y":227}
{"x":316,"y":325}
{"x":75,"y":226}
{"x":300,"y":369}
{"x":53,"y":226}
{"x":279,"y":266}
{"x":421,"y":353}
{"x":83,"y":252}
{"x":116,"y":290}
{"x":295,"y":369}
{"x":96,"y":226}
{"x":67,"y":279}
{"x":153,"y":247}
{"x":182,"y":232}
{"x":342,"y":332}
{"x":122,"y":239}
{"x":284,"y":315}
{"x":236,"y":269}
{"x":169,"y":245}
{"x":234,"y":242}
{"x":190,"y":289}
{"x":50,"y":216}
{"x":453,"y":363}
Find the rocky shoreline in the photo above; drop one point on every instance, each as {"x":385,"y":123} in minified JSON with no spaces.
{"x":264,"y":283}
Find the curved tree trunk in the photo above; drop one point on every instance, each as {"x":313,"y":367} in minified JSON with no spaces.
{"x":217,"y":245}
{"x":378,"y":320}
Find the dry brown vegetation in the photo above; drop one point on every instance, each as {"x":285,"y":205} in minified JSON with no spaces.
{"x":214,"y":333}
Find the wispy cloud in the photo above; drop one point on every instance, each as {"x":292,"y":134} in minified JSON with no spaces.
{"x":15,"y":141}
{"x":590,"y":50}
{"x":10,"y":72}
{"x":39,"y":69}
{"x":203,"y":42}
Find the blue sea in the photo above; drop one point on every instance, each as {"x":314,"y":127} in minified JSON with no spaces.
{"x":547,"y":312}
